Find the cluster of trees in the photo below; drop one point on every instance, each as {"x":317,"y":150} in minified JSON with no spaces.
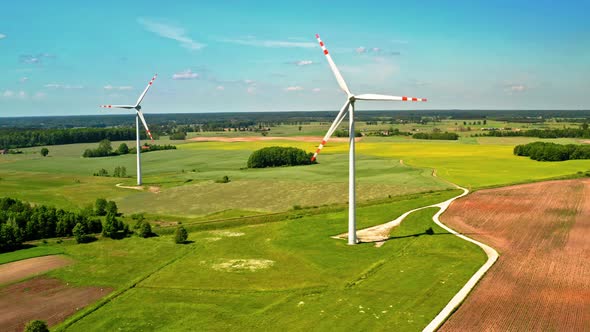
{"x":581,"y":132}
{"x":105,"y":149}
{"x":543,"y":151}
{"x":344,"y":133}
{"x":142,"y":227}
{"x":275,"y":156}
{"x":19,"y":222}
{"x":441,"y":136}
{"x":119,"y":172}
{"x":20,"y":138}
{"x":179,"y":135}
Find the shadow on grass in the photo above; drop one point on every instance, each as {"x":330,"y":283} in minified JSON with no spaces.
{"x":429,"y":232}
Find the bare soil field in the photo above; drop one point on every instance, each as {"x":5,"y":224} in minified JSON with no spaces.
{"x":19,"y":270}
{"x":42,"y":298}
{"x":541,"y":282}
{"x":313,"y":139}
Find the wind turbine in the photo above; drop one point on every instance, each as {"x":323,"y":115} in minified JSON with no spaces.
{"x":138,"y":116}
{"x":349,"y":108}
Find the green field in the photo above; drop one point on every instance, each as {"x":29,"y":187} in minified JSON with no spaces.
{"x":312,"y":280}
{"x":288,"y":271}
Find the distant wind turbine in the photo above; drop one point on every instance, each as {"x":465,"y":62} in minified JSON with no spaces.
{"x":349,"y":107}
{"x":138,"y":116}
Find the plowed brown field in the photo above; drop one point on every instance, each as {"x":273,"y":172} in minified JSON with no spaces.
{"x":541,"y":282}
{"x":26,"y":268}
{"x":43,"y":298}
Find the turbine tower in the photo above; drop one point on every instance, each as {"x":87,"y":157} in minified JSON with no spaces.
{"x":349,"y":108}
{"x":138,"y":117}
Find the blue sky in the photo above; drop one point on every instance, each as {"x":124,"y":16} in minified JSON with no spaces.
{"x":67,"y":57}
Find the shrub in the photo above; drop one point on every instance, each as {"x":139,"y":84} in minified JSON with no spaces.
{"x":111,"y":207}
{"x":44,"y":152}
{"x":178,"y":136}
{"x":145,"y":229}
{"x":181,"y":235}
{"x":81,"y":233}
{"x":100,"y":207}
{"x":36,"y":326}
{"x":123,"y":149}
{"x":275,"y":156}
{"x":224,"y":179}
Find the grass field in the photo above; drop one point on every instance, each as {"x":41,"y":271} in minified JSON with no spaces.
{"x":298,"y":276}
{"x":283,"y":273}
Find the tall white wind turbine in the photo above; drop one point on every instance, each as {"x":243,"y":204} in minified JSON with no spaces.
{"x":138,"y":116}
{"x":349,"y":108}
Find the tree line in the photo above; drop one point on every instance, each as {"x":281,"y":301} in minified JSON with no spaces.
{"x":276,"y":156}
{"x":21,"y":138}
{"x":105,"y":149}
{"x":544,"y":151}
{"x":437,"y":136}
{"x":20,"y":222}
{"x":581,"y":132}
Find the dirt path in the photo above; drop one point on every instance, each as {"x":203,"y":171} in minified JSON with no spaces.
{"x":380,"y":233}
{"x":152,"y":189}
{"x":26,"y":268}
{"x":313,"y":139}
{"x":42,"y":298}
{"x":542,"y":282}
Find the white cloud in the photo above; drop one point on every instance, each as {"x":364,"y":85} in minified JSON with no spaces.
{"x":301,"y":63}
{"x":8,"y":93}
{"x":270,"y":43}
{"x":360,"y":50}
{"x":185,"y":75}
{"x":316,"y":90}
{"x":515,"y":88}
{"x":294,"y":88}
{"x":23,"y":79}
{"x":22,"y":95}
{"x":2,"y":36}
{"x":251,"y":89}
{"x":120,"y":88}
{"x":220,"y":87}
{"x":40,"y":95}
{"x":170,"y":32}
{"x":63,"y":86}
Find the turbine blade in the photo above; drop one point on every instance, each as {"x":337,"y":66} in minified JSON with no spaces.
{"x":118,"y":106}
{"x":335,"y":70}
{"x":372,"y":96}
{"x":145,"y":124}
{"x":146,"y":90}
{"x":341,"y":115}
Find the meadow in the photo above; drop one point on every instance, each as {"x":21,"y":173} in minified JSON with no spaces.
{"x":287,"y":282}
{"x":288,"y":272}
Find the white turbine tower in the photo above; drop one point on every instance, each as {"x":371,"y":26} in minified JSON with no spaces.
{"x":349,"y":107}
{"x":138,"y":116}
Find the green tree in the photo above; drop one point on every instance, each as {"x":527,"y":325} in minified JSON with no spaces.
{"x":80,"y":233}
{"x":585,"y":126}
{"x":36,"y":326}
{"x":111,"y":207}
{"x":100,"y":207}
{"x":181,"y":235}
{"x":44,"y":152}
{"x":104,"y":147}
{"x":123,"y":149}
{"x":145,"y":229}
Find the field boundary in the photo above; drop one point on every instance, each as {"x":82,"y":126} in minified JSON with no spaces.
{"x":88,"y":310}
{"x":458,"y":299}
